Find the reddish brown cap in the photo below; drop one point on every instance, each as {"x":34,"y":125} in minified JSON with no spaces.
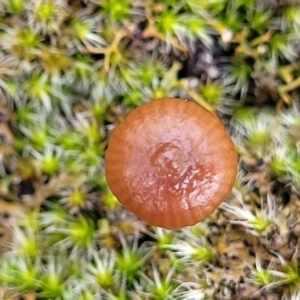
{"x":171,"y":162}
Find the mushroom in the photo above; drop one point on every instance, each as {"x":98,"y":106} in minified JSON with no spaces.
{"x":171,"y":163}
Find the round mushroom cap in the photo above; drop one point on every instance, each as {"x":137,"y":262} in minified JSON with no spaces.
{"x":171,"y":163}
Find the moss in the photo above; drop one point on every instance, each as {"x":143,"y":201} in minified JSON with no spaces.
{"x":69,"y":73}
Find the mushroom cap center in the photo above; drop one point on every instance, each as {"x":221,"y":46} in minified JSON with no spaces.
{"x":169,"y":160}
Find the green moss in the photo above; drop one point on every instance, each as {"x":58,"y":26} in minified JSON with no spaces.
{"x":70,"y":73}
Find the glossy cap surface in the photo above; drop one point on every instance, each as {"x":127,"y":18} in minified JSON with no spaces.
{"x":171,"y":162}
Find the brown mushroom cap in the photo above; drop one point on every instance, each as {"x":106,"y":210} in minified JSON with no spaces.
{"x":171,"y":162}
